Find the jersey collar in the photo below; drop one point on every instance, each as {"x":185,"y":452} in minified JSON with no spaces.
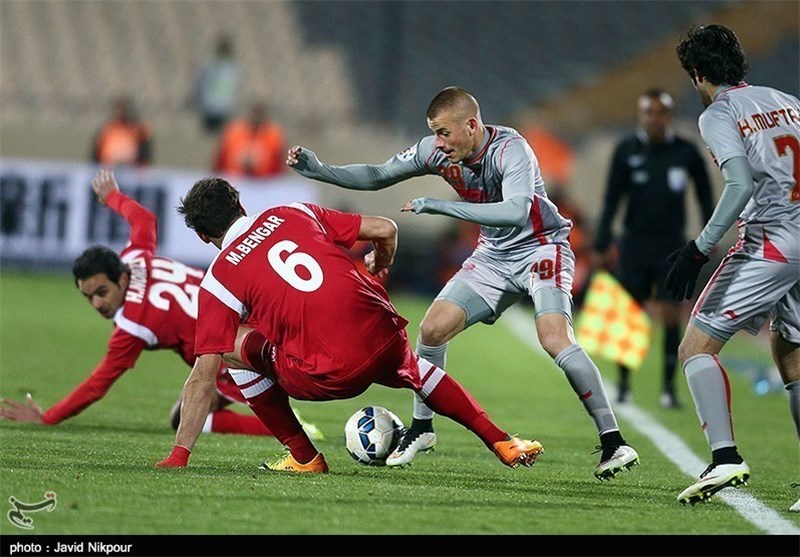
{"x":238,"y":228}
{"x":725,"y":88}
{"x":489,"y":136}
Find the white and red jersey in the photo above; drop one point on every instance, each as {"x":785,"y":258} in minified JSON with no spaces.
{"x":159,"y":311}
{"x":287,"y":270}
{"x":763,"y":125}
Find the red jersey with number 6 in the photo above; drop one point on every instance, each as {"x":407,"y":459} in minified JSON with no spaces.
{"x":287,"y":270}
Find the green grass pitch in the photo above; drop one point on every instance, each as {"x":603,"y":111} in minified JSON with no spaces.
{"x":100,"y":463}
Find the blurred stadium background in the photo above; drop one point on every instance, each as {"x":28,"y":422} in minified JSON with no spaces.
{"x":351,"y":80}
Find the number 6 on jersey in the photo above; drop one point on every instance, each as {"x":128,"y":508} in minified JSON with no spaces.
{"x":287,"y":268}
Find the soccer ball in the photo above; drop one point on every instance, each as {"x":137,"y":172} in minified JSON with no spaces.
{"x":371,"y":434}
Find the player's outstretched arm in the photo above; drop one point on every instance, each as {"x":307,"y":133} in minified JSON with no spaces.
{"x":92,"y":389}
{"x":365,"y":177}
{"x":512,"y":212}
{"x":142,"y":221}
{"x":198,"y":393}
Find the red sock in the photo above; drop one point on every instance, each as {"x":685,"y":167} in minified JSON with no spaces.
{"x":450,"y":399}
{"x":272,"y":408}
{"x":227,"y":421}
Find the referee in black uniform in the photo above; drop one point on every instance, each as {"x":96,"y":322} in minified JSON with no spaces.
{"x":653,"y":169}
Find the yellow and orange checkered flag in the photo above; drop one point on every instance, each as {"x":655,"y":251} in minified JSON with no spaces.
{"x":612,"y":325}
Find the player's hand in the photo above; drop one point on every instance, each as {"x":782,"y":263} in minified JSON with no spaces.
{"x":18,"y":412}
{"x":682,"y":276}
{"x":378,"y":271}
{"x":178,"y":458}
{"x":103,"y":184}
{"x":301,"y":159}
{"x":416,"y":205}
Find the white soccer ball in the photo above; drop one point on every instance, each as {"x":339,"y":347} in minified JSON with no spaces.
{"x":371,"y":434}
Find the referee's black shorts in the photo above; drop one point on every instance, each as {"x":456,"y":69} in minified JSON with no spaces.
{"x":642,"y":266}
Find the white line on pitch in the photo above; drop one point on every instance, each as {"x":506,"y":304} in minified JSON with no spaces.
{"x":670,"y":445}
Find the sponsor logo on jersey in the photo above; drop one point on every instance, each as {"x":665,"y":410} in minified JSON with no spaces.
{"x":408,"y":153}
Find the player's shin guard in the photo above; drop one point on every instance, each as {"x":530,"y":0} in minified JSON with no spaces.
{"x":794,"y":403}
{"x":437,"y":355}
{"x":445,"y":396}
{"x":708,"y":384}
{"x":270,"y":403}
{"x":584,"y":377}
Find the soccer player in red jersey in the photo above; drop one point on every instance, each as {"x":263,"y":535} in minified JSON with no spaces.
{"x":153,"y":302}
{"x":324,"y":331}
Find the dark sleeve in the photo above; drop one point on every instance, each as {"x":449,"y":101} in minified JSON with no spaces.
{"x":702,"y":184}
{"x":616,"y":186}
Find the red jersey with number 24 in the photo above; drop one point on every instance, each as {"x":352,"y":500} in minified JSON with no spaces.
{"x":158,"y":313}
{"x":287,"y":270}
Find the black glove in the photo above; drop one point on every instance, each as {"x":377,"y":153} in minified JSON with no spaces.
{"x":682,"y":276}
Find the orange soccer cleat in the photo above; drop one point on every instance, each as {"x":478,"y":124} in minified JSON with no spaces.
{"x":517,"y":451}
{"x":287,"y":463}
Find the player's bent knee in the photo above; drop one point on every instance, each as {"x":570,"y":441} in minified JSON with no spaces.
{"x":435,"y":333}
{"x":554,"y":343}
{"x":553,"y":331}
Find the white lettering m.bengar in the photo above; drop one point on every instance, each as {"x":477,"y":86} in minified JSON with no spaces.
{"x":252,"y":240}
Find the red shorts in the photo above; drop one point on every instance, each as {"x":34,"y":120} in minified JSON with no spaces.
{"x":395,"y":367}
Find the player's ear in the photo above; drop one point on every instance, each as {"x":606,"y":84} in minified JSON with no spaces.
{"x":204,"y":237}
{"x":124,"y":280}
{"x":241,"y":208}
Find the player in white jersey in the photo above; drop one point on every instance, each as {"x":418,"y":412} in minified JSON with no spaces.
{"x":753,"y":134}
{"x":523,"y":250}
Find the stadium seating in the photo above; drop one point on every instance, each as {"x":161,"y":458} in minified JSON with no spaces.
{"x":333,"y":69}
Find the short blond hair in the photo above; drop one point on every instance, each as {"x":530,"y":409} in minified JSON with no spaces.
{"x":454,"y":99}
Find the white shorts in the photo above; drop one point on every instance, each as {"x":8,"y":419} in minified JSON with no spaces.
{"x":500,"y":283}
{"x":758,"y":278}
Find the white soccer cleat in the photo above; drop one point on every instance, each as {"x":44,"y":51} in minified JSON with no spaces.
{"x":412,"y":443}
{"x":615,"y":460}
{"x":796,"y":507}
{"x":713,"y":479}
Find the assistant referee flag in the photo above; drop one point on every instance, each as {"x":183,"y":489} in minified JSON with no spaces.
{"x":612,"y":325}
